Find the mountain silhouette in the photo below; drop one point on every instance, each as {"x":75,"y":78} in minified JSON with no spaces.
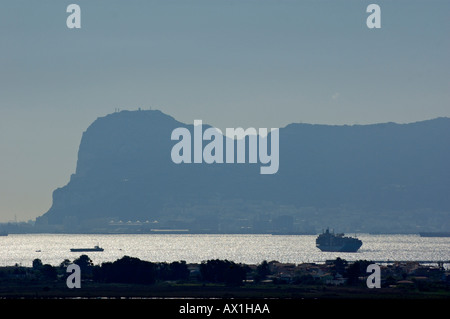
{"x":379,"y":177}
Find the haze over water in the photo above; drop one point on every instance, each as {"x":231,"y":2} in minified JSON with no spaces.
{"x":52,"y":249}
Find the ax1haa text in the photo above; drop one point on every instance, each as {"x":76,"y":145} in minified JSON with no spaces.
{"x":214,"y":151}
{"x":238,"y":308}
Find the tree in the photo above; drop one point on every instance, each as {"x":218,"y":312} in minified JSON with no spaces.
{"x":127,"y":270}
{"x":356,"y":270}
{"x":48,"y":272}
{"x":37,"y":264}
{"x":235,"y":274}
{"x":339,"y":266}
{"x":85,"y":264}
{"x":176,"y":270}
{"x":222,"y":271}
{"x":263,"y":269}
{"x":179,"y":270}
{"x":64,"y":264}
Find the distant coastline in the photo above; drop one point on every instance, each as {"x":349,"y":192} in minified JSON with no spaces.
{"x":434,"y":234}
{"x":355,"y":178}
{"x":30,"y":228}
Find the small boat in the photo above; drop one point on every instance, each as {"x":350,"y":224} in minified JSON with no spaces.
{"x":96,"y":248}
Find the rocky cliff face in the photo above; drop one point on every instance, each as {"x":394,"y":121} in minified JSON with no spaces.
{"x":356,"y":176}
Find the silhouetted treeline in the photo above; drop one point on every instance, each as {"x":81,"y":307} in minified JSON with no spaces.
{"x":133,"y":270}
{"x":223,"y":271}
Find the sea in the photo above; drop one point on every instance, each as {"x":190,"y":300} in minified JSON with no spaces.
{"x":53,"y":249}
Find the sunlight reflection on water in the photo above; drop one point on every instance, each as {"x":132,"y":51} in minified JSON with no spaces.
{"x":251,"y":249}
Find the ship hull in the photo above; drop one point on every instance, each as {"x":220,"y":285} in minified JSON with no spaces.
{"x":85,"y":249}
{"x":348,"y":248}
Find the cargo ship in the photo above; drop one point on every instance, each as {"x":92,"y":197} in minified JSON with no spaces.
{"x":96,"y":248}
{"x":328,"y":241}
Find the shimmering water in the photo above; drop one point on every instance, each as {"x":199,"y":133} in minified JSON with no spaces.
{"x":251,"y":249}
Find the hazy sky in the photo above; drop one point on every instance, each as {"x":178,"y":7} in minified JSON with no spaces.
{"x":230,"y":63}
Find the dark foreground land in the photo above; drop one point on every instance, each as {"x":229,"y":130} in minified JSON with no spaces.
{"x":197,"y":290}
{"x":221,"y":289}
{"x":130,"y":277}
